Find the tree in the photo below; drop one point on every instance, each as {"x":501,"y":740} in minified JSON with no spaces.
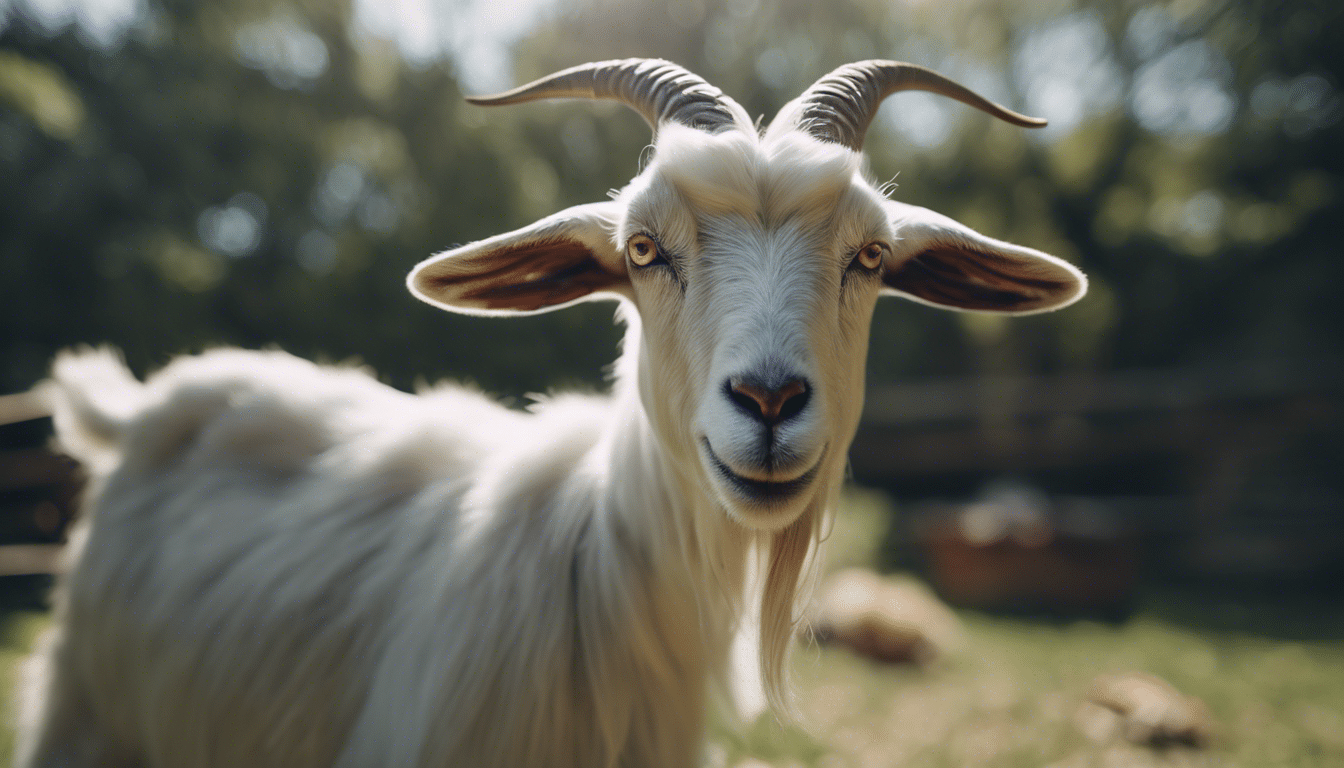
{"x":250,"y":174}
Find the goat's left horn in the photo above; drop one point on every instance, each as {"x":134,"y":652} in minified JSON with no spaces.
{"x":840,"y":106}
{"x":658,"y":90}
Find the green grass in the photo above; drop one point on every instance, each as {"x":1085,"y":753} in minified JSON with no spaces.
{"x":1012,"y":700}
{"x":1269,"y":668}
{"x":19,"y":630}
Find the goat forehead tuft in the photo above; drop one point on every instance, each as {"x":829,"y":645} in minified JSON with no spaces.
{"x":802,"y":172}
{"x":713,"y":173}
{"x":735,"y":173}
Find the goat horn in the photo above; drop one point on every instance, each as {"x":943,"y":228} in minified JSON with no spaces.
{"x":658,"y":90}
{"x":840,"y":106}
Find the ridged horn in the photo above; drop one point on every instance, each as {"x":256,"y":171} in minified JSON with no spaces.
{"x":658,"y":90}
{"x":840,"y":106}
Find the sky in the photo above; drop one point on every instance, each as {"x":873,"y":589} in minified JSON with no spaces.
{"x":476,"y":34}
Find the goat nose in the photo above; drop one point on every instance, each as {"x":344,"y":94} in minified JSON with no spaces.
{"x":769,"y":405}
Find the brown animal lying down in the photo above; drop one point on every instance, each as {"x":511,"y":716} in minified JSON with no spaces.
{"x":1145,"y":709}
{"x":884,"y":618}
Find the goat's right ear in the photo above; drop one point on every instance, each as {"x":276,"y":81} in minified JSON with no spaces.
{"x":561,"y":260}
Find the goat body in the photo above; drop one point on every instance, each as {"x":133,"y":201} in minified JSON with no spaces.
{"x":288,"y":565}
{"x":298,"y":566}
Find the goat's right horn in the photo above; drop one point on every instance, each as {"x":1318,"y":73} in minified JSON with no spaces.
{"x":658,"y":90}
{"x":840,"y":106}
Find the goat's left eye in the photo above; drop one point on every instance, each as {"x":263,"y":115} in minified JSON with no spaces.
{"x":642,"y":250}
{"x":871,"y":255}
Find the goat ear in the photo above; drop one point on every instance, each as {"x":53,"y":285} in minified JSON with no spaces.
{"x":561,"y":260}
{"x":942,"y":263}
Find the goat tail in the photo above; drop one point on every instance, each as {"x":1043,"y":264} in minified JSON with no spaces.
{"x":94,"y":398}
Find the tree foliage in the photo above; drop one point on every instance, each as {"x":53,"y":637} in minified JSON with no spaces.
{"x":190,"y":187}
{"x":256,"y":173}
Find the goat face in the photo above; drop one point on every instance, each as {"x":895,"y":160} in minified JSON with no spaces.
{"x":744,"y":262}
{"x":755,"y":263}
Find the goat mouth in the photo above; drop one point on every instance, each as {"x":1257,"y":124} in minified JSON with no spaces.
{"x":761,"y":490}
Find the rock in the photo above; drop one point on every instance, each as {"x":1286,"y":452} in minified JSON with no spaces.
{"x":886,"y":619}
{"x":1146,"y":710}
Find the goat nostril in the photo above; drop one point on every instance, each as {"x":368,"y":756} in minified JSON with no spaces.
{"x":770,"y":406}
{"x":795,"y":394}
{"x":744,"y":400}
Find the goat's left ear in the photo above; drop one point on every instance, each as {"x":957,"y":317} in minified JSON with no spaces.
{"x":942,"y":263}
{"x":561,"y":260}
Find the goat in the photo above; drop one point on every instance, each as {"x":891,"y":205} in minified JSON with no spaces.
{"x":287,"y":565}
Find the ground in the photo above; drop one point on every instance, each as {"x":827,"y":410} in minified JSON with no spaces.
{"x":1267,"y":663}
{"x":1016,"y":697}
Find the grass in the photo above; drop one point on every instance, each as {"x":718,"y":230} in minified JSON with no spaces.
{"x":23,"y":616}
{"x":1271,"y":673}
{"x":1270,"y":670}
{"x":1013,"y":700}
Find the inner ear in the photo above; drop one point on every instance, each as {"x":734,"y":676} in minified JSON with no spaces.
{"x":525,"y":278}
{"x":958,"y":276}
{"x":555,"y":262}
{"x":938,"y":261}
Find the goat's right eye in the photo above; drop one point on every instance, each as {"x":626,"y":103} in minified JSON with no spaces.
{"x":643,"y":251}
{"x":870,"y":256}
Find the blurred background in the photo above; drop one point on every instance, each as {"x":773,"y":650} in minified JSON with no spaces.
{"x":176,"y":175}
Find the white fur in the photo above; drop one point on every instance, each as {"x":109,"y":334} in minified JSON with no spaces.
{"x":298,"y":566}
{"x":288,"y":565}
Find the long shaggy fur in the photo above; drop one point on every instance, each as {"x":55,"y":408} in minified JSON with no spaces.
{"x":290,"y":565}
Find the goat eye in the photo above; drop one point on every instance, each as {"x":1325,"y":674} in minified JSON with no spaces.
{"x":870,"y":256}
{"x":642,"y":250}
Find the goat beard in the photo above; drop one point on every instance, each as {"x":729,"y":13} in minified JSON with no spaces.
{"x":789,"y":576}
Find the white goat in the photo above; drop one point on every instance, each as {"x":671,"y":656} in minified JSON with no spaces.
{"x":287,"y":565}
